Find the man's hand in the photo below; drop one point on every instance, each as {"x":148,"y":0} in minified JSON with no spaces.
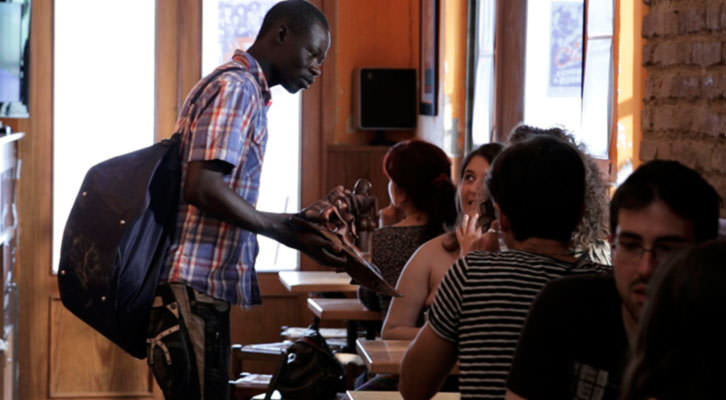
{"x":322,"y":250}
{"x":327,"y":251}
{"x":468,"y":235}
{"x":205,"y":189}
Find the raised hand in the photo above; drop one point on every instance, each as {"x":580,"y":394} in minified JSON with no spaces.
{"x":468,"y":234}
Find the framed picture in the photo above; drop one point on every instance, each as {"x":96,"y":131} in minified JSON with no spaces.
{"x":429,"y":57}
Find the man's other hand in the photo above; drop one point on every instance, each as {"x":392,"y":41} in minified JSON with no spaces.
{"x":324,"y":251}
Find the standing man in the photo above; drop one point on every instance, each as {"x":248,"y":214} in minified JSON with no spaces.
{"x":210,"y":264}
{"x":578,"y":333}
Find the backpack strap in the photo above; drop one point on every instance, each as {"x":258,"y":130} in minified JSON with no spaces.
{"x":199,"y":89}
{"x":275,"y":378}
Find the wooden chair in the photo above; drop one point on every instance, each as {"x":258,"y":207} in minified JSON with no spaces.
{"x":296,"y":332}
{"x":271,"y":353}
{"x":249,"y":385}
{"x":350,"y":310}
{"x":275,"y":396}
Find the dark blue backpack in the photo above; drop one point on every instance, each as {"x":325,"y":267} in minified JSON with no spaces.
{"x":117,"y":236}
{"x":115,"y":240}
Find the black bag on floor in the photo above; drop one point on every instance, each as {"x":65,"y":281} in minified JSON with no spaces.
{"x":309,"y":371}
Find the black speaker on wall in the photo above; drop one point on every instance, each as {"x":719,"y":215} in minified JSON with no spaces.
{"x":385,"y":99}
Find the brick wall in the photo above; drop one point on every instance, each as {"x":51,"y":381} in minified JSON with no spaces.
{"x":684,"y":110}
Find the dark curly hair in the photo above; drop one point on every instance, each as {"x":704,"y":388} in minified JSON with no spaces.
{"x":594,"y":224}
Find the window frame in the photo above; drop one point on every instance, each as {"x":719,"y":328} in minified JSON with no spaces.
{"x":509,"y":69}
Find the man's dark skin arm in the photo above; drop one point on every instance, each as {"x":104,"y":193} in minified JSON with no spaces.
{"x":204,"y":187}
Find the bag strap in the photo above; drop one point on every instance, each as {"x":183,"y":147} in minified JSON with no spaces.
{"x":275,"y":378}
{"x":209,"y":79}
{"x":322,"y":348}
{"x":175,"y":139}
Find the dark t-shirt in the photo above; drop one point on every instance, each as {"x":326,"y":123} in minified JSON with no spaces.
{"x":574,"y":344}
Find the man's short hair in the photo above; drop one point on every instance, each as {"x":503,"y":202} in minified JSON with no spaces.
{"x":539,"y":184}
{"x":682,"y":189}
{"x":299,"y":15}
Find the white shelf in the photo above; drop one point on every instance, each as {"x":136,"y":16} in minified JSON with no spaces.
{"x":11,"y":137}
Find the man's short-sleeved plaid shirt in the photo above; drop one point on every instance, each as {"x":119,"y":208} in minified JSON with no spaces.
{"x":226,"y":122}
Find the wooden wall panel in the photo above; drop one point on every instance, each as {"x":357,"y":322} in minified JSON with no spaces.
{"x":189,"y":36}
{"x":371,"y":33}
{"x":167,"y":71}
{"x":317,"y":129}
{"x":84,"y":364}
{"x":34,"y":209}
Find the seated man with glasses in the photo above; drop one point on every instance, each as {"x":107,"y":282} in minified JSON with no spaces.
{"x":576,"y":339}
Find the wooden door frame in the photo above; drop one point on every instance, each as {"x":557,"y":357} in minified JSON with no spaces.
{"x":34,"y":253}
{"x":509,"y":57}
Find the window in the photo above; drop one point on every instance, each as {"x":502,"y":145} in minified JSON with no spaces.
{"x":568,"y":66}
{"x":226,"y":26}
{"x":567,"y":69}
{"x":597,"y":93}
{"x":482,"y":102}
{"x":103,"y":91}
{"x":553,"y":63}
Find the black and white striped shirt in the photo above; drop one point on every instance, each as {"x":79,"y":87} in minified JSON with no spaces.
{"x":481,"y":305}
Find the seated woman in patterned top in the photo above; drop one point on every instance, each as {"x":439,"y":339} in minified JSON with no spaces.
{"x":422,"y":273}
{"x":420,"y":187}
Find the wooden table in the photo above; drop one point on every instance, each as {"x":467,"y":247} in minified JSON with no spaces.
{"x":316,"y":281}
{"x":384,"y":395}
{"x":342,"y":310}
{"x":385,"y":356}
{"x":382,"y":356}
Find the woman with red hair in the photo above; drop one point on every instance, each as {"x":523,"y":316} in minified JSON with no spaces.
{"x":422,"y":193}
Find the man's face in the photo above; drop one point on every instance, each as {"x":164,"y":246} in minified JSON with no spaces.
{"x":302,"y":58}
{"x":643,"y":239}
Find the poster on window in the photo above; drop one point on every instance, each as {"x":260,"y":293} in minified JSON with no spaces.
{"x":565,"y":76}
{"x":238,"y":24}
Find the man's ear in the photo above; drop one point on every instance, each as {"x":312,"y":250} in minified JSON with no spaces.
{"x":613,"y":233}
{"x":504,"y":224}
{"x":282,"y":34}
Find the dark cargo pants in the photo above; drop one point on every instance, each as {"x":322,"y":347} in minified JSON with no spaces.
{"x":188,"y":342}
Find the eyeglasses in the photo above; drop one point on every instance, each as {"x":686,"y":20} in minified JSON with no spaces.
{"x":630,"y":250}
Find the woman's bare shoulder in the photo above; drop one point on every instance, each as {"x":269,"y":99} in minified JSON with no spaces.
{"x":432,"y":251}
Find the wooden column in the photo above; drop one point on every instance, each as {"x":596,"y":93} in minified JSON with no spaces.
{"x":509,"y":60}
